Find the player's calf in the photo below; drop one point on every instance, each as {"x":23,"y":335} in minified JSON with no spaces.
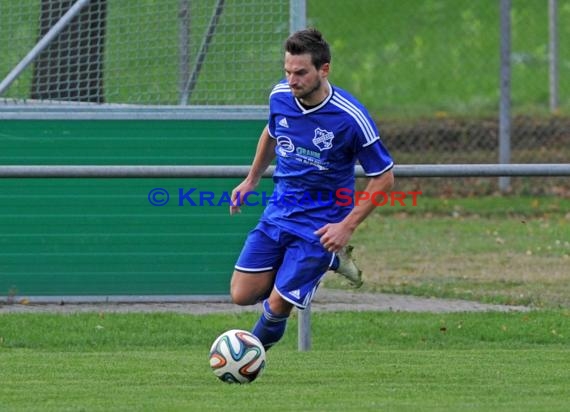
{"x":270,"y":327}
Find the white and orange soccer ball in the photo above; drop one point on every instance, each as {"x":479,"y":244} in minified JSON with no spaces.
{"x":237,"y":356}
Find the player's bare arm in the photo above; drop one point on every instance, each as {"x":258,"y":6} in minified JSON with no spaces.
{"x":264,"y":154}
{"x":334,"y":236}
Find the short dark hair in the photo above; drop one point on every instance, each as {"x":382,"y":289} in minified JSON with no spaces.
{"x":309,"y":41}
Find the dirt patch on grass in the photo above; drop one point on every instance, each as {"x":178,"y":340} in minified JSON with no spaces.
{"x":326,"y":300}
{"x":507,"y":278}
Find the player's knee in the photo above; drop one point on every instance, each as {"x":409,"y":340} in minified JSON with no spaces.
{"x":243,"y":296}
{"x":240,"y":297}
{"x":278,"y":306}
{"x":247,"y":290}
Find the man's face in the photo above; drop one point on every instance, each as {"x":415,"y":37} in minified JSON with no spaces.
{"x":303,"y":77}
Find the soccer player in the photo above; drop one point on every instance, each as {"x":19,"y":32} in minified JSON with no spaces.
{"x":317,"y":132}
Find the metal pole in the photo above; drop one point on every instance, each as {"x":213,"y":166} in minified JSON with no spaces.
{"x":505,"y":85}
{"x":214,"y":172}
{"x":42,"y":44}
{"x":553,"y":53}
{"x":304,"y":333}
{"x":297,"y":15}
{"x":193,"y":78}
{"x":184,"y":45}
{"x":298,"y":21}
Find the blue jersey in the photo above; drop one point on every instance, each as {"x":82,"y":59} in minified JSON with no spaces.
{"x":317,"y":149}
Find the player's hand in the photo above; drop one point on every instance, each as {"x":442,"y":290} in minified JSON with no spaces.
{"x":238,"y":194}
{"x":334,"y":236}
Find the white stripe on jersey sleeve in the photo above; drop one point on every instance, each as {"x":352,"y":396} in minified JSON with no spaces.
{"x":357,"y":114}
{"x":371,"y":141}
{"x":280,"y":88}
{"x":269,"y":132}
{"x":391,"y":165}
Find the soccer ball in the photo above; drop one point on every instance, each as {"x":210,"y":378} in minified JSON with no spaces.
{"x":237,"y":356}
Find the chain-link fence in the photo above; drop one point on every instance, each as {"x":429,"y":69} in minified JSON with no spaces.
{"x":403,"y":59}
{"x":152,"y":52}
{"x":437,"y":58}
{"x":440,"y":61}
{"x":430,"y":73}
{"x":428,"y":70}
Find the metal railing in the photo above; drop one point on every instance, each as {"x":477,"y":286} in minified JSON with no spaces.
{"x":304,"y":328}
{"x":448,"y":170}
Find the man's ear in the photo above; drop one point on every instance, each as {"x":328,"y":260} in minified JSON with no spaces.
{"x":325,"y":68}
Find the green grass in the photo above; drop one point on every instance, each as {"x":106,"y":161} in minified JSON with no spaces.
{"x":510,"y":250}
{"x":395,"y":361}
{"x":401,"y":58}
{"x":439,"y":57}
{"x":482,"y":206}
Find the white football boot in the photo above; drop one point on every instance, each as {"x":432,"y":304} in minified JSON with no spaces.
{"x":348,"y":268}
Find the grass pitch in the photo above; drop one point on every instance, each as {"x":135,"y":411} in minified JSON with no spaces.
{"x":506,"y":250}
{"x":360,"y":361}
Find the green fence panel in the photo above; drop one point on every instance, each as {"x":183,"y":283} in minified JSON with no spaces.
{"x":93,"y":237}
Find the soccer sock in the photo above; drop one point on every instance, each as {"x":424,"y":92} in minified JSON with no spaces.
{"x":270,"y":327}
{"x":335,"y":263}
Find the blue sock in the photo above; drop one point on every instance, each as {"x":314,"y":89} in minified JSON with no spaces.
{"x":336,"y":263}
{"x":270,"y":327}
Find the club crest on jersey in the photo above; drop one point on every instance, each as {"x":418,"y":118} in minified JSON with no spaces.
{"x":323,"y":139}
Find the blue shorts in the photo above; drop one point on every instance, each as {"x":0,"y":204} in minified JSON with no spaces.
{"x":299,"y":264}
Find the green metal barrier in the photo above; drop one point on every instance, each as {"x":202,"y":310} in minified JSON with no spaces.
{"x":103,"y":237}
